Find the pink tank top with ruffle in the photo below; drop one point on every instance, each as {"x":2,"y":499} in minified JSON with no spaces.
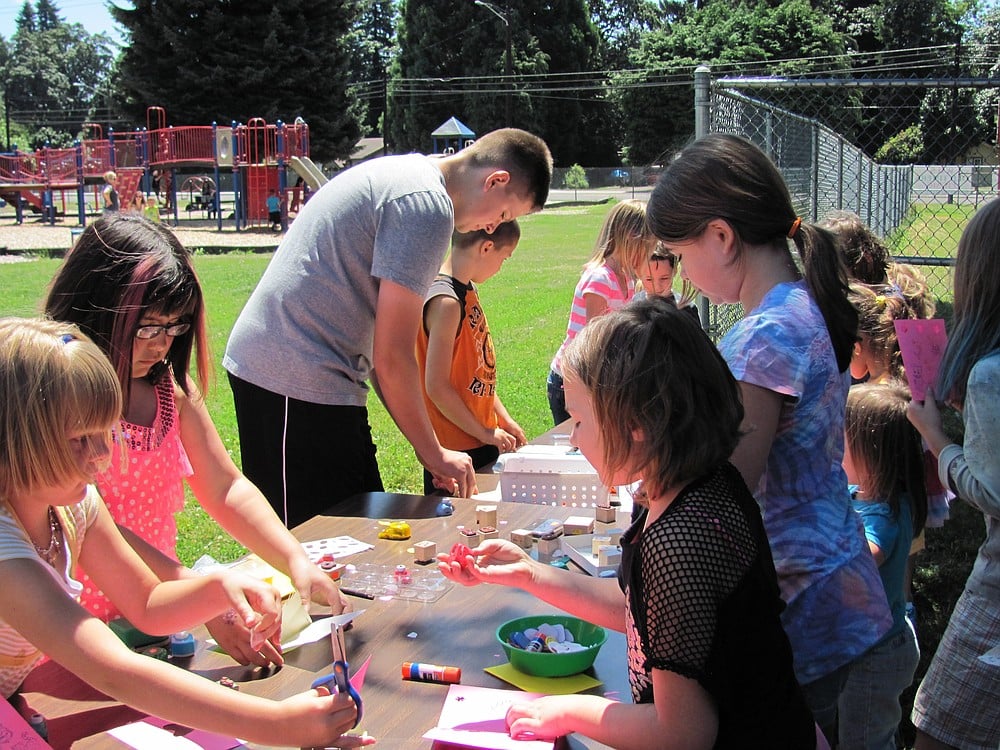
{"x":145,"y":491}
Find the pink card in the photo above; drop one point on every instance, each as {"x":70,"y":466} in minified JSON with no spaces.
{"x":16,"y":733}
{"x":476,"y":717}
{"x":922,"y":343}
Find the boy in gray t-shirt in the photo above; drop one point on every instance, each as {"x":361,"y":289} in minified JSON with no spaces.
{"x":340,"y":304}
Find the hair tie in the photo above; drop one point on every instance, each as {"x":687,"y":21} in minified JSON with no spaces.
{"x":880,"y":302}
{"x":794,"y":228}
{"x":67,"y":337}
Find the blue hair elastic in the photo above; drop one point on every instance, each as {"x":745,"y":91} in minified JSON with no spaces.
{"x":67,"y":337}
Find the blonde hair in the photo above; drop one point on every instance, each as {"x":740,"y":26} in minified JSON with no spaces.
{"x":624,"y":237}
{"x":53,"y":380}
{"x":110,"y":175}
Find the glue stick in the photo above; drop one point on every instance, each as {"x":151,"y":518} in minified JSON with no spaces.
{"x":431,"y":672}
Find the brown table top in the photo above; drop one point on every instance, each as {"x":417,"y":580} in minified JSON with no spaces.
{"x":457,"y":630}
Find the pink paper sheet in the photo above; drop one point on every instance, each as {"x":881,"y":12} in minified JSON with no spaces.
{"x":922,"y":344}
{"x":16,"y":733}
{"x":476,"y":717}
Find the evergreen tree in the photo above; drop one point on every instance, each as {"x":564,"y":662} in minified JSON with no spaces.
{"x":208,"y":61}
{"x":48,"y":15}
{"x":27,"y":21}
{"x":373,"y":45}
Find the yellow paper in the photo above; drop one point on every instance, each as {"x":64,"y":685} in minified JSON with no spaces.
{"x":576,"y":683}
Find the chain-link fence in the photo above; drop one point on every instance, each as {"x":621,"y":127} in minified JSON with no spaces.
{"x":833,"y":141}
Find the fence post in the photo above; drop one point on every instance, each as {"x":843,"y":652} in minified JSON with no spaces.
{"x":702,"y":122}
{"x":702,"y":100}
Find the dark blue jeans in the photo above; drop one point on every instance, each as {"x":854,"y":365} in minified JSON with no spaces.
{"x":557,"y":399}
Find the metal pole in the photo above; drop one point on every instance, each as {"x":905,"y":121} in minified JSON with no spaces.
{"x":509,"y":65}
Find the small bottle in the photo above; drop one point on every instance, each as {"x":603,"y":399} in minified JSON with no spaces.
{"x":37,"y":722}
{"x":537,"y":644}
{"x":431,"y":672}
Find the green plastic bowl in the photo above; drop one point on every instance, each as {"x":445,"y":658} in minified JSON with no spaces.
{"x":544,"y":664}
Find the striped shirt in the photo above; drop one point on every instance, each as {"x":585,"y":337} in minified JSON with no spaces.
{"x":602,"y":281}
{"x":17,"y":655}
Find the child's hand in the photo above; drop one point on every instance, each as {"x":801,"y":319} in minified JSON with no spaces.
{"x":542,"y":718}
{"x":503,"y":440}
{"x":515,"y":429}
{"x":234,"y":636}
{"x":258,"y":607}
{"x":325,"y":719}
{"x":494,"y":561}
{"x":313,"y":584}
{"x":925,"y":414}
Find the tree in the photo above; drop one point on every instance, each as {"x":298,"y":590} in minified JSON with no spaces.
{"x":452,"y":62}
{"x":575,"y":179}
{"x":51,"y":71}
{"x":372,"y":42}
{"x":206,"y":61}
{"x":657,"y":97}
{"x":621,"y":24}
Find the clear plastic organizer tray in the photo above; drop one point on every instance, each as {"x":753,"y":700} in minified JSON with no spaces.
{"x":550,"y":475}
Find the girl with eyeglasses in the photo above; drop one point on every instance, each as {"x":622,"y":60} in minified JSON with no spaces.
{"x":129,"y":285}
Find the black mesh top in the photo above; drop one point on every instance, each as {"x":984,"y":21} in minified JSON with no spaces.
{"x":703,"y":602}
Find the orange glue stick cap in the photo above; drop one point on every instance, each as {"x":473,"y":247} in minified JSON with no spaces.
{"x":431,"y":672}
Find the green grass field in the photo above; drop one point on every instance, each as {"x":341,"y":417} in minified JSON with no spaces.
{"x":527,"y":304}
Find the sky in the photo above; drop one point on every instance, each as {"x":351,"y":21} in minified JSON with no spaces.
{"x":93,"y":15}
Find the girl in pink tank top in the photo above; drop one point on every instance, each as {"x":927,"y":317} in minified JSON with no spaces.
{"x":130,"y":285}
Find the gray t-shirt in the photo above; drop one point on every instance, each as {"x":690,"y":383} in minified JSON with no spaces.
{"x":308,"y":328}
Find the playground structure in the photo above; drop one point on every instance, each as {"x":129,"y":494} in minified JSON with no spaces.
{"x":256,"y":154}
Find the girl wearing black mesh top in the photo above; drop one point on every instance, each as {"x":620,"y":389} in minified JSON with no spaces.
{"x":696,"y":596}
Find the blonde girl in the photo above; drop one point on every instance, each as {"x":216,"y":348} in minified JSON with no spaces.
{"x":608,"y":282}
{"x":59,"y":401}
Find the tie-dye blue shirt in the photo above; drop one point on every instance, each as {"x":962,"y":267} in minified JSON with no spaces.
{"x":837,"y":607}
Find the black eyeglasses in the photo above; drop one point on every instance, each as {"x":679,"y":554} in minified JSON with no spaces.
{"x":173,"y":330}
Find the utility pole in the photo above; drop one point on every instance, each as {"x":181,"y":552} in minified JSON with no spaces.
{"x":504,"y":15}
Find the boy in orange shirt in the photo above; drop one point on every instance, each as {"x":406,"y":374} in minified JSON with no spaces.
{"x":455,"y":352}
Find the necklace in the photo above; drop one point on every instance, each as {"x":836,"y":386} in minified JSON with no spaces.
{"x":51,"y":553}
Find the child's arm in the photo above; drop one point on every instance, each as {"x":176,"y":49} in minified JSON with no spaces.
{"x":240,"y":508}
{"x":682,"y":716}
{"x":232,"y":635}
{"x":597,"y":600}
{"x":442,"y":315}
{"x":397,"y":316}
{"x":33,"y":603}
{"x":761,"y":410}
{"x":595,"y":305}
{"x":166,"y":607}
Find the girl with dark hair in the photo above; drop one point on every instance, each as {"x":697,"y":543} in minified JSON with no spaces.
{"x":724,"y":210}
{"x":130,"y":286}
